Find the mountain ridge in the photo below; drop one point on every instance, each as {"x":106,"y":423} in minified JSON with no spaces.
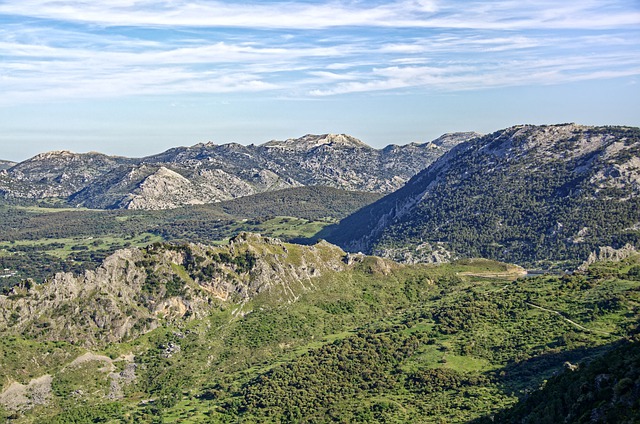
{"x":134,"y":289}
{"x":511,"y":195}
{"x":219,"y":172}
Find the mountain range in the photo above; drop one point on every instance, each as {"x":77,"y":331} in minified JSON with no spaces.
{"x":182,"y":315}
{"x":206,"y":173}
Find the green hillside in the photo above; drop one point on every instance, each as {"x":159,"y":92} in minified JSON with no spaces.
{"x":356,"y":339}
{"x":604,"y":390}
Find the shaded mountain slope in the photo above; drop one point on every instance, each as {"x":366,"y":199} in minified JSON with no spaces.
{"x":526,"y":194}
{"x":606,"y":390}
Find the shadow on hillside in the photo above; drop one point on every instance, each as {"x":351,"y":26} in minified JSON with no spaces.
{"x":517,"y":377}
{"x":524,"y":377}
{"x":324,"y":234}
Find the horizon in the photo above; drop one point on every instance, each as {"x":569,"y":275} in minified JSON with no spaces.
{"x":292,"y":138}
{"x":222,"y":144}
{"x":135,"y":77}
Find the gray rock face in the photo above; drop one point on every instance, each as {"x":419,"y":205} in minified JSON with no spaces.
{"x":207,"y":173}
{"x":20,"y":397}
{"x":608,"y":254}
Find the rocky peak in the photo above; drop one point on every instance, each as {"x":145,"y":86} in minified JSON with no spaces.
{"x":6,"y":164}
{"x":449,"y":140}
{"x":207,"y":145}
{"x":310,"y":141}
{"x":54,"y":154}
{"x":153,"y":192}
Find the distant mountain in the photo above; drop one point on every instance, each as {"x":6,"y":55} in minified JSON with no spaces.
{"x":526,"y":194}
{"x":207,"y":173}
{"x":6,"y":164}
{"x":56,"y":174}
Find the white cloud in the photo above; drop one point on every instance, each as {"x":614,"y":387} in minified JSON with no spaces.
{"x":323,"y":48}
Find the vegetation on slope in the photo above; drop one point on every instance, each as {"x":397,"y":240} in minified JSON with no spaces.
{"x":605,"y":390}
{"x":38,"y":241}
{"x":376,"y":342}
{"x":530,"y":195}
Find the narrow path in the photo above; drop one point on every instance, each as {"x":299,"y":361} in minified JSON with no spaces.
{"x":567,"y":319}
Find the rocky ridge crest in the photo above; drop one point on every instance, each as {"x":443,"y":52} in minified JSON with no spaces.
{"x":134,"y":288}
{"x":207,"y":172}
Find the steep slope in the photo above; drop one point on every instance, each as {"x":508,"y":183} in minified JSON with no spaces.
{"x":526,"y":194}
{"x":207,"y":173}
{"x":606,"y":390}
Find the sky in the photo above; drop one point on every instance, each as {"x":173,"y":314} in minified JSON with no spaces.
{"x":136,"y":77}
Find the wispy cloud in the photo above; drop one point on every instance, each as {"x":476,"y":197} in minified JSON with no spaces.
{"x":505,"y":14}
{"x":68,"y":49}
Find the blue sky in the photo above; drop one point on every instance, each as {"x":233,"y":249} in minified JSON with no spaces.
{"x":135,"y":77}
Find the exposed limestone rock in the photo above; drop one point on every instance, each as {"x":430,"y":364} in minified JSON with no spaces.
{"x":118,"y":380}
{"x":135,"y":288}
{"x":608,"y":254}
{"x":152,"y":192}
{"x":20,"y":397}
{"x":423,"y":253}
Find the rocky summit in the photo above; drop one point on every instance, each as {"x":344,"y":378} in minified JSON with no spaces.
{"x":6,"y":164}
{"x":207,"y":172}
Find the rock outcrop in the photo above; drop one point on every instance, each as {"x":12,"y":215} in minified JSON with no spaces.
{"x":608,"y":254}
{"x":134,"y":288}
